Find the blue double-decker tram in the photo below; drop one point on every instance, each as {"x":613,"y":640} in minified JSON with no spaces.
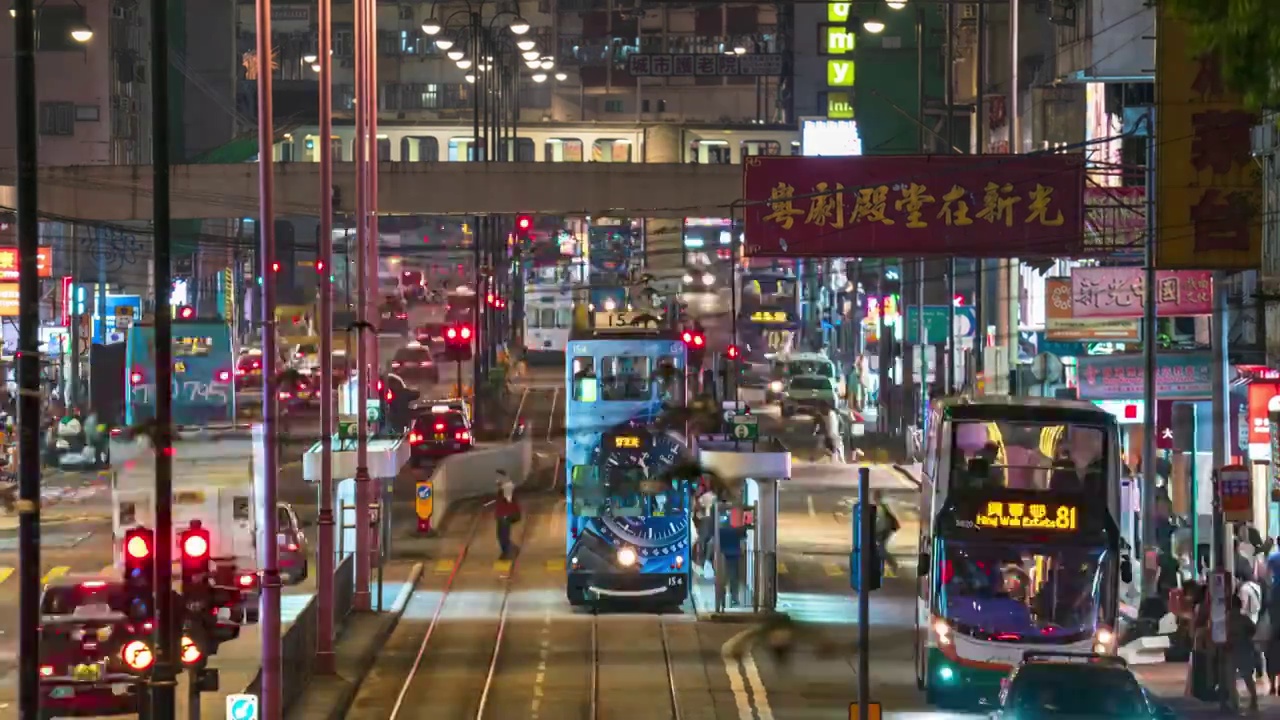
{"x":628,"y":525}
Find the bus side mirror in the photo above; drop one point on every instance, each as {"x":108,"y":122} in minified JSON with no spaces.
{"x":1126,"y":570}
{"x":922,"y":565}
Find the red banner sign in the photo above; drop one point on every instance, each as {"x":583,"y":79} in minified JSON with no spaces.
{"x":915,"y":205}
{"x":1262,"y":398}
{"x":9,"y":263}
{"x":1118,"y":292}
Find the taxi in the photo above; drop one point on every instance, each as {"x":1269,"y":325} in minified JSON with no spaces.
{"x":415,"y":363}
{"x":1077,"y":685}
{"x":93,"y":655}
{"x":443,"y":430}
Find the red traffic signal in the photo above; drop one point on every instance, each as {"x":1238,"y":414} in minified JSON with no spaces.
{"x":195,"y":545}
{"x":186,"y":312}
{"x":138,"y":545}
{"x":687,"y":337}
{"x":465,"y":332}
{"x":524,"y":223}
{"x":275,"y":267}
{"x":451,"y":333}
{"x":732,"y":352}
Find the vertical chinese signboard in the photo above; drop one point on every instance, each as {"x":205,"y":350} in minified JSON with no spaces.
{"x":914,"y":205}
{"x":1209,"y":193}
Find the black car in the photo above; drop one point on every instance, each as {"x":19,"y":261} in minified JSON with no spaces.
{"x":415,"y":363}
{"x":393,"y":318}
{"x":1075,"y":685}
{"x":442,"y":430}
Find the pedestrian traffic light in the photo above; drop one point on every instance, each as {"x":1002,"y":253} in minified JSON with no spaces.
{"x":731,"y":352}
{"x":457,"y":342}
{"x":186,"y":312}
{"x":194,"y":546}
{"x":524,"y":226}
{"x":140,"y":572}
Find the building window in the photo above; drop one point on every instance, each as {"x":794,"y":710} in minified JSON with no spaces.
{"x":344,"y":96}
{"x":662,"y":106}
{"x":710,"y":152}
{"x":88,"y":113}
{"x":57,"y":118}
{"x":563,"y":150}
{"x":611,"y":151}
{"x":419,"y":149}
{"x":613,"y":106}
{"x":761,"y":147}
{"x":460,"y":148}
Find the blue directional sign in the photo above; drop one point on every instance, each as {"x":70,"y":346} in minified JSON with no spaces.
{"x":242,"y":707}
{"x":424,"y":491}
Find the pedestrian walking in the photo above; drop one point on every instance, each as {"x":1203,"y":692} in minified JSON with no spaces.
{"x":507,"y":513}
{"x":886,"y":525}
{"x":1241,"y":656}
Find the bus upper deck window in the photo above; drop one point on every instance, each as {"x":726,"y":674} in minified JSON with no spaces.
{"x":670,"y":382}
{"x":586,"y":387}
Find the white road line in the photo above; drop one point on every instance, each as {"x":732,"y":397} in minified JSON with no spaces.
{"x":551,"y":419}
{"x":544,"y":649}
{"x":558,"y":520}
{"x":757,"y":687}
{"x":735,"y":677}
{"x":809,"y":501}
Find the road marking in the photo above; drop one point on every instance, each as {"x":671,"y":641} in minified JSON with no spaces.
{"x":5,"y":572}
{"x":743,"y":672}
{"x":444,"y":567}
{"x":502,"y":566}
{"x":782,"y":568}
{"x":832,"y":569}
{"x":757,"y":687}
{"x":55,"y":573}
{"x":544,"y":649}
{"x":555,"y":565}
{"x":809,"y":501}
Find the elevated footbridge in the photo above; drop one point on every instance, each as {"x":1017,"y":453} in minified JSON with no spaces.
{"x":118,"y":193}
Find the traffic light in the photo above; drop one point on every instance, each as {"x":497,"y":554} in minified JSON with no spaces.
{"x":194,"y":546}
{"x":696,"y":345}
{"x":457,"y":342}
{"x":855,"y":555}
{"x":140,"y":572}
{"x":186,"y":312}
{"x":524,"y":226}
{"x":732,"y":352}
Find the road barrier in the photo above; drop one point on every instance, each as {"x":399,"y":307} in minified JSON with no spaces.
{"x":474,"y":474}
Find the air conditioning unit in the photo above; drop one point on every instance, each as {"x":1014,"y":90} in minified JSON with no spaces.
{"x":1265,"y":138}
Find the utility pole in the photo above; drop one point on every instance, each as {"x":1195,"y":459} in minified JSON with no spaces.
{"x":164,"y":675}
{"x":1008,"y":273}
{"x":948,"y":122}
{"x":980,"y":318}
{"x":268,"y":548}
{"x":922,"y":334}
{"x":325,"y":550}
{"x":24,"y":30}
{"x":368,"y":371}
{"x":1149,"y":356}
{"x":1220,"y":377}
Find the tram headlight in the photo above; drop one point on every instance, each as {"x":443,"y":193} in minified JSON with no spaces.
{"x":943,"y":632}
{"x":1104,"y":641}
{"x":775,"y":386}
{"x":626,"y":557}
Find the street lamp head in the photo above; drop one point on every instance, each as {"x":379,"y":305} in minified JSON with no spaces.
{"x":531,"y":55}
{"x":82,"y":33}
{"x":315,"y":67}
{"x":739,"y":50}
{"x":895,"y":4}
{"x":547,"y":63}
{"x":464,"y":64}
{"x":561,"y":77}
{"x":482,"y":67}
{"x":526,"y":44}
{"x":444,"y":43}
{"x":431,"y":27}
{"x":310,"y":58}
{"x":533,"y":64}
{"x":456,"y":55}
{"x":519,"y":26}
{"x":539,"y":77}
{"x":469,"y":78}
{"x":873,"y":25}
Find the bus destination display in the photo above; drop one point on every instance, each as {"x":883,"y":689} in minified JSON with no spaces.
{"x":1027,"y":516}
{"x":771,"y":316}
{"x":627,"y":442}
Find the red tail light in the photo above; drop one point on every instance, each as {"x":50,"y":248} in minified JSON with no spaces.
{"x":415,"y":438}
{"x":439,"y":427}
{"x":291,"y":547}
{"x":247,"y":580}
{"x":135,"y":377}
{"x":224,"y":376}
{"x":462,"y":435}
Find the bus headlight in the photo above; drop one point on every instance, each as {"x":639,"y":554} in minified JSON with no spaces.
{"x":626,"y":557}
{"x":1104,"y":641}
{"x":943,"y":632}
{"x":775,"y":386}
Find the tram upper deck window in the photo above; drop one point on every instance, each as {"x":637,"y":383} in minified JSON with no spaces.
{"x":422,"y":148}
{"x":586,"y":386}
{"x":460,"y":148}
{"x":1029,"y":456}
{"x":563,"y":150}
{"x":670,"y":382}
{"x":761,"y":147}
{"x":625,"y":378}
{"x":710,"y":152}
{"x":611,"y":151}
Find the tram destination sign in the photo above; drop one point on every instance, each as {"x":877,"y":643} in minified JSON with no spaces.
{"x":1019,"y":515}
{"x":707,"y":65}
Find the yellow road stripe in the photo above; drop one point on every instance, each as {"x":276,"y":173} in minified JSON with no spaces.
{"x":5,"y":572}
{"x":832,"y":569}
{"x":782,"y":568}
{"x":55,"y":573}
{"x":502,"y":566}
{"x":444,"y":567}
{"x":555,"y":565}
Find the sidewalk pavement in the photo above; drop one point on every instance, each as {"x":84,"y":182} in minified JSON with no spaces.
{"x":1168,"y":682}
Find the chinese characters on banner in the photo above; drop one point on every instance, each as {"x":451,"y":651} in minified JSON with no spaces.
{"x":1061,"y":324}
{"x":8,"y":299}
{"x":1208,"y":190}
{"x":1118,"y":292}
{"x":677,"y":65}
{"x":9,"y":263}
{"x":1120,"y":377}
{"x":914,"y":205}
{"x":1235,"y":492}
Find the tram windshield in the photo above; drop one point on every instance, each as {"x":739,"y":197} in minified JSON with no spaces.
{"x":1021,"y":593}
{"x":1029,"y":456}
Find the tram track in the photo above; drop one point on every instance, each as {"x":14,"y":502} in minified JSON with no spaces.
{"x":595,"y":709}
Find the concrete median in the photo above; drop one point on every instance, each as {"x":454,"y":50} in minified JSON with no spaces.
{"x":473,"y":474}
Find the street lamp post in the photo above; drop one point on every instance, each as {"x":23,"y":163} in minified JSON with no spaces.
{"x":325,"y":551}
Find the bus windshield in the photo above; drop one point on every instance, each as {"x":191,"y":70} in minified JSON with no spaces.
{"x":1020,"y":593}
{"x":768,"y":291}
{"x":810,"y":367}
{"x":1029,"y":456}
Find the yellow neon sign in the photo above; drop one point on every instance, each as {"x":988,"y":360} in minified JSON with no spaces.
{"x":627,"y":442}
{"x":1027,"y":516}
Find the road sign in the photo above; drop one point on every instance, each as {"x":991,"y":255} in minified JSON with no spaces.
{"x":1235,"y":493}
{"x":746,"y":427}
{"x":424,"y":503}
{"x":242,"y":707}
{"x":935,"y":323}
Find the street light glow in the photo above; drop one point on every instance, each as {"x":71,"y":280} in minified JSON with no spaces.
{"x":739,"y":50}
{"x":82,"y":33}
{"x":539,"y":77}
{"x":873,"y":26}
{"x":519,"y":26}
{"x":310,"y":58}
{"x":533,"y":64}
{"x":531,"y":55}
{"x":547,"y":63}
{"x":562,"y":76}
{"x":431,"y":27}
{"x":526,"y":44}
{"x":469,"y":78}
{"x":456,"y":55}
{"x":464,"y":64}
{"x":895,"y":4}
{"x":315,"y":67}
{"x":444,"y":43}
